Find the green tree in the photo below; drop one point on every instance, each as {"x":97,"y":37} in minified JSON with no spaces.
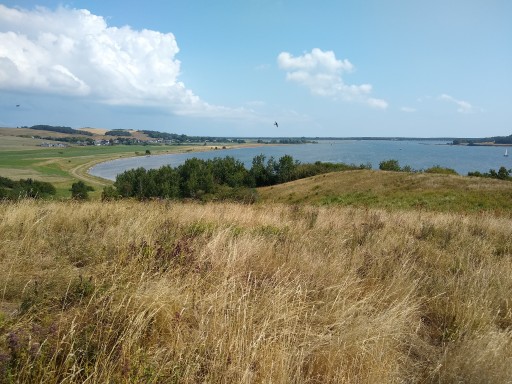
{"x":196,"y":178}
{"x":168,"y":181}
{"x":109,"y":193}
{"x":503,"y":174}
{"x":286,"y":169}
{"x":80,"y":191}
{"x":229,"y":171}
{"x":258,"y":172}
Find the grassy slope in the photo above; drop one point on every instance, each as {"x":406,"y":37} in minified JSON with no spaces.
{"x":396,"y":190}
{"x":176,"y":292}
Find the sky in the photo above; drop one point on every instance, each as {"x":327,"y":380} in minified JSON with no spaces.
{"x":231,"y":68}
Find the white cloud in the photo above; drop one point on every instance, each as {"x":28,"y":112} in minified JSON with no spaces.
{"x":322,"y":73}
{"x":73,"y":52}
{"x":463,"y":106}
{"x":377,"y":103}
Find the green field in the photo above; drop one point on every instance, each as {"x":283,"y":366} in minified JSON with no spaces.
{"x":64,"y":166}
{"x":23,"y":158}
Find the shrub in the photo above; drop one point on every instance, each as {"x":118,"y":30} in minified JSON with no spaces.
{"x":441,"y":170}
{"x":80,"y":191}
{"x":390,"y":165}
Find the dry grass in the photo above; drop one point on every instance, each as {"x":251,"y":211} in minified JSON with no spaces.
{"x":185,"y":293}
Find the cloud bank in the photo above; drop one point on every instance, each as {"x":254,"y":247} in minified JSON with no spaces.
{"x":321,"y":73}
{"x":75,"y":53}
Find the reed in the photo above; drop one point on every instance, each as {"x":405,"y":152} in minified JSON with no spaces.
{"x":183,"y":292}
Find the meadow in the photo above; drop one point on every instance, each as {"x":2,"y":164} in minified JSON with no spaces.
{"x":182,"y":292}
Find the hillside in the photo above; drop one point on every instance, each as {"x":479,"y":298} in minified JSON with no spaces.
{"x":181,"y":292}
{"x":97,"y":133}
{"x":396,"y":190}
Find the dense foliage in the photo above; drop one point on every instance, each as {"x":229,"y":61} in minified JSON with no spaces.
{"x":224,"y":178}
{"x":13,"y":190}
{"x":59,"y":129}
{"x":394,"y":165}
{"x":441,"y":170}
{"x":502,"y":174}
{"x":80,"y":191}
{"x":118,"y":132}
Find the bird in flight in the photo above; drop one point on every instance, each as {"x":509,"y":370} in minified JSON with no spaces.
{"x":275,"y":123}
{"x":17,"y":105}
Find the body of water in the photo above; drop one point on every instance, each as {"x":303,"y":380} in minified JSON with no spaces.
{"x":415,"y":153}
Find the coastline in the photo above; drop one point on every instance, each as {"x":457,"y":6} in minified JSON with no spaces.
{"x":82,"y":171}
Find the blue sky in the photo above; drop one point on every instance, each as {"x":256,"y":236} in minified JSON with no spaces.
{"x":233,"y":67}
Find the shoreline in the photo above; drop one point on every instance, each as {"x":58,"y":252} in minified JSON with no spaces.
{"x":83,"y":171}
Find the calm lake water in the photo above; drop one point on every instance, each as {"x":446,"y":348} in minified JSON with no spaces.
{"x":417,"y":154}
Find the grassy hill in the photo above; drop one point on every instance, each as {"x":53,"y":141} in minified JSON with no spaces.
{"x":396,"y":190}
{"x":182,"y":293}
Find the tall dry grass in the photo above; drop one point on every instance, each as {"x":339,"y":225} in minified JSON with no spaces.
{"x":225,"y":293}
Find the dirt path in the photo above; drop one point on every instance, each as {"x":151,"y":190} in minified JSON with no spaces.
{"x":81,"y":172}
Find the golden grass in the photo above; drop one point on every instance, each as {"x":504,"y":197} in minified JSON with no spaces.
{"x":185,"y":293}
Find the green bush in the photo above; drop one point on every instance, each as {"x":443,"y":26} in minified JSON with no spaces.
{"x":441,"y":170}
{"x":80,"y":191}
{"x":390,"y":165}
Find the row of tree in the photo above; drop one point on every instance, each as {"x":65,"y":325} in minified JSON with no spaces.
{"x":118,"y":132}
{"x":502,"y":174}
{"x":60,"y":129}
{"x":25,"y":188}
{"x":216,"y":178}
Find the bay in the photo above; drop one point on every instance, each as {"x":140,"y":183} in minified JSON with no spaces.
{"x":418,"y":154}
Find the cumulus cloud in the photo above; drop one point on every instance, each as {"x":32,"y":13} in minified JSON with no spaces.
{"x":74,"y":52}
{"x":322,"y":73}
{"x":463,"y":106}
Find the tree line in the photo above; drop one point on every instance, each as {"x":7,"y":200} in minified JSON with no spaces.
{"x":59,"y":129}
{"x":218,"y":178}
{"x":25,"y":188}
{"x":118,"y":132}
{"x":502,"y":174}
